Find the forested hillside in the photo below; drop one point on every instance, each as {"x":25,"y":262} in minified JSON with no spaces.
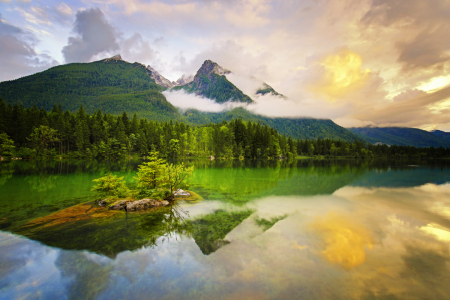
{"x":32,"y":133}
{"x":111,"y":85}
{"x":400,"y":136}
{"x":442,"y":134}
{"x":302,"y":128}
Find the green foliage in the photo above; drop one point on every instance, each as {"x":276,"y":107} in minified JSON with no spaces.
{"x":41,"y":137}
{"x":159,"y":179}
{"x":176,"y":175}
{"x":110,"y":186}
{"x":150,"y":177}
{"x":6,"y":145}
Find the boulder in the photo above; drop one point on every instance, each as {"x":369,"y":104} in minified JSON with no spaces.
{"x":144,"y":204}
{"x":103,"y":202}
{"x":181,"y":192}
{"x":118,"y":205}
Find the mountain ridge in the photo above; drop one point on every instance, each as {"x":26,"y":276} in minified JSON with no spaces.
{"x":403,"y":136}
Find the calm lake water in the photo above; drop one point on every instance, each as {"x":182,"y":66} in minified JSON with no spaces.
{"x":263,"y":230}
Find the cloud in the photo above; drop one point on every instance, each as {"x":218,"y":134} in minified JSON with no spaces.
{"x":424,"y":28}
{"x":337,"y":74}
{"x":18,"y":56}
{"x":95,"y":35}
{"x":266,"y":105}
{"x":135,"y":48}
{"x":186,"y":101}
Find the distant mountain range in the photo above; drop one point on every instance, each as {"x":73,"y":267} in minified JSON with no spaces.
{"x":114,"y":85}
{"x":403,"y":136}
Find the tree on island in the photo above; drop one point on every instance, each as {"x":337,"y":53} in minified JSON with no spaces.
{"x":110,"y":186}
{"x":155,"y":179}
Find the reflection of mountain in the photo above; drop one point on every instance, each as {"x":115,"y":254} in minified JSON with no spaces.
{"x":209,"y":231}
{"x":99,"y":230}
{"x":411,"y":176}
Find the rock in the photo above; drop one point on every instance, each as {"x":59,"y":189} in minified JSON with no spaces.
{"x":181,"y":192}
{"x":118,"y":205}
{"x":103,"y":202}
{"x":144,"y":204}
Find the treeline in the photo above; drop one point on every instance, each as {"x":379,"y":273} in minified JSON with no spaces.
{"x":33,"y":132}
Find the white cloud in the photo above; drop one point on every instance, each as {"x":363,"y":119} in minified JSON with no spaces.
{"x":186,"y":101}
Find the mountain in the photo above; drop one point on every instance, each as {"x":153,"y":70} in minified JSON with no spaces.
{"x":159,"y":79}
{"x":400,"y":136}
{"x":211,"y":82}
{"x":112,"y":85}
{"x":184,"y":79}
{"x":441,"y":134}
{"x":267,"y":89}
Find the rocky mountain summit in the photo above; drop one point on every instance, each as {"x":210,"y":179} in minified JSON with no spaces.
{"x":184,"y":79}
{"x":114,"y":58}
{"x":159,"y":79}
{"x":210,"y":82}
{"x":209,"y":67}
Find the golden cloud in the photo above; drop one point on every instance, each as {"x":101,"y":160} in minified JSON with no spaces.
{"x":340,"y":74}
{"x":345,"y":239}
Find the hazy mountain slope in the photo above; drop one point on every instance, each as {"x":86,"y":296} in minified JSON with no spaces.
{"x":210,"y":82}
{"x":400,"y":136}
{"x":112,"y":85}
{"x":303,"y":128}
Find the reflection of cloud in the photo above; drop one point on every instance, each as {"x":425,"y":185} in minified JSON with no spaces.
{"x":437,"y":231}
{"x":345,"y":240}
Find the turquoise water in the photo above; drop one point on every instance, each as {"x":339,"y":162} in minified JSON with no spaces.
{"x":264,"y":230}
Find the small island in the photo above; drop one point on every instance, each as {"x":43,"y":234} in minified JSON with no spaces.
{"x":158,"y":182}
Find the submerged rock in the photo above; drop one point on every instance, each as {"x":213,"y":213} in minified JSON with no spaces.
{"x":144,"y":204}
{"x":181,"y":192}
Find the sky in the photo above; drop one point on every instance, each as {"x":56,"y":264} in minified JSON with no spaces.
{"x":362,"y":62}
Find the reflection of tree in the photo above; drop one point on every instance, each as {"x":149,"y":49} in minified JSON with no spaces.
{"x":110,"y":233}
{"x":6,"y":172}
{"x":42,"y":183}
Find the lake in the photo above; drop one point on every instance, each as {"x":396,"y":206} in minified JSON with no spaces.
{"x":306,"y":229}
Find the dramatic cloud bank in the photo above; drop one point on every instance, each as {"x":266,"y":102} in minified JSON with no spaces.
{"x":381,"y":62}
{"x":94,"y":35}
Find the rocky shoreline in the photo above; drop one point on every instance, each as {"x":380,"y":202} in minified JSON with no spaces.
{"x":142,"y":204}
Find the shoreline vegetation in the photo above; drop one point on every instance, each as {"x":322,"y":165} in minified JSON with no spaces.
{"x":30,"y":133}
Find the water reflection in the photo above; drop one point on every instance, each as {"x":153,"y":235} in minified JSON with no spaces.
{"x":353,"y":236}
